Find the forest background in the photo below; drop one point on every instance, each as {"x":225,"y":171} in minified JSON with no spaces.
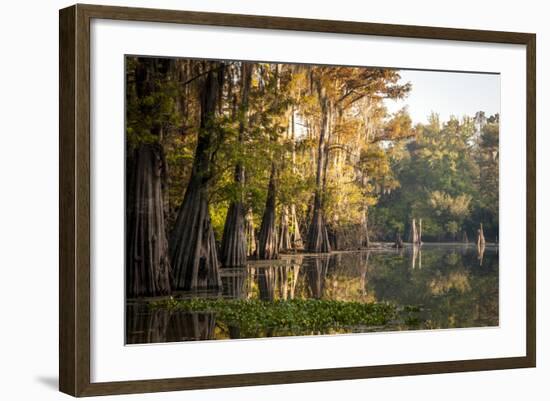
{"x":228,"y":161}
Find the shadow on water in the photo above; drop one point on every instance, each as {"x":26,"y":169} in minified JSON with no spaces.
{"x":445,"y":285}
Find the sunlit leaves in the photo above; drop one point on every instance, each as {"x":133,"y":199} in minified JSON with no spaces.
{"x":445,"y":172}
{"x":442,"y":202}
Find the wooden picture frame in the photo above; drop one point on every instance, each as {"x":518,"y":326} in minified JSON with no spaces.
{"x":74,"y":203}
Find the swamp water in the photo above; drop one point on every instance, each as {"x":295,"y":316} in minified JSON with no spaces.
{"x":436,"y":286}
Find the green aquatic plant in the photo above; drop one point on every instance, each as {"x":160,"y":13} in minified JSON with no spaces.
{"x":291,"y":316}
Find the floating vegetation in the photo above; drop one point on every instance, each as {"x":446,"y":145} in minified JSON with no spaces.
{"x":293,"y":316}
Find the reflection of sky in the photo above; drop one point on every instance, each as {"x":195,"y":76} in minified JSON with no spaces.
{"x":448,"y":93}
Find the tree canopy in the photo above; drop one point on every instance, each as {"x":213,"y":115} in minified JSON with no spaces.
{"x":259,"y":158}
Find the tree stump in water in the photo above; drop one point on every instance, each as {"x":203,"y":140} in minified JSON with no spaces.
{"x":480,"y":236}
{"x":419,"y":237}
{"x":398,"y":241}
{"x":480,"y":244}
{"x":413,"y":235}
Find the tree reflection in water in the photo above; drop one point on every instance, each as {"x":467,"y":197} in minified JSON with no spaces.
{"x":416,"y":256}
{"x":147,"y":325}
{"x":316,"y":274}
{"x":445,"y":283}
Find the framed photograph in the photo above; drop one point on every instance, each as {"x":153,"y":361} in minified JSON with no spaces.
{"x":250,"y":200}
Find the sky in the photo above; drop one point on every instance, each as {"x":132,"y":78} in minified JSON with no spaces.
{"x":448,"y":93}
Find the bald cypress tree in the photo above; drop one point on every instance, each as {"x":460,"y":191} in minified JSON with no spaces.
{"x":192,"y":244}
{"x":268,"y":244}
{"x":234,"y":245}
{"x":317,"y":238}
{"x":147,"y":262}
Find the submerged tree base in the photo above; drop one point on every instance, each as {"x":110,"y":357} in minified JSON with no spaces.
{"x":297,"y":316}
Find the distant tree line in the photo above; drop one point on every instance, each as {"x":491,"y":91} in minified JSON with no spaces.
{"x":448,"y":177}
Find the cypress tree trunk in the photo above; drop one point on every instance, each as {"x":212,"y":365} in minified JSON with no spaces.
{"x":268,"y":246}
{"x":365,"y":231}
{"x":284,"y":231}
{"x":296,"y":241}
{"x":147,"y":262}
{"x":317,"y":238}
{"x":250,"y":234}
{"x":192,"y":244}
{"x":398,"y":241}
{"x":267,"y":242}
{"x":480,"y":236}
{"x":318,"y":241}
{"x":413,"y":236}
{"x":234,"y":245}
{"x":480,"y":244}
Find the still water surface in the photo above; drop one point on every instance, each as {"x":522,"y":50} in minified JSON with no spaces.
{"x":436,"y":286}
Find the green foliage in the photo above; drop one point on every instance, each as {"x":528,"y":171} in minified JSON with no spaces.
{"x":488,"y":161}
{"x":297,"y":315}
{"x":151,"y":93}
{"x":377,"y":165}
{"x":448,"y":177}
{"x":446,"y":205}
